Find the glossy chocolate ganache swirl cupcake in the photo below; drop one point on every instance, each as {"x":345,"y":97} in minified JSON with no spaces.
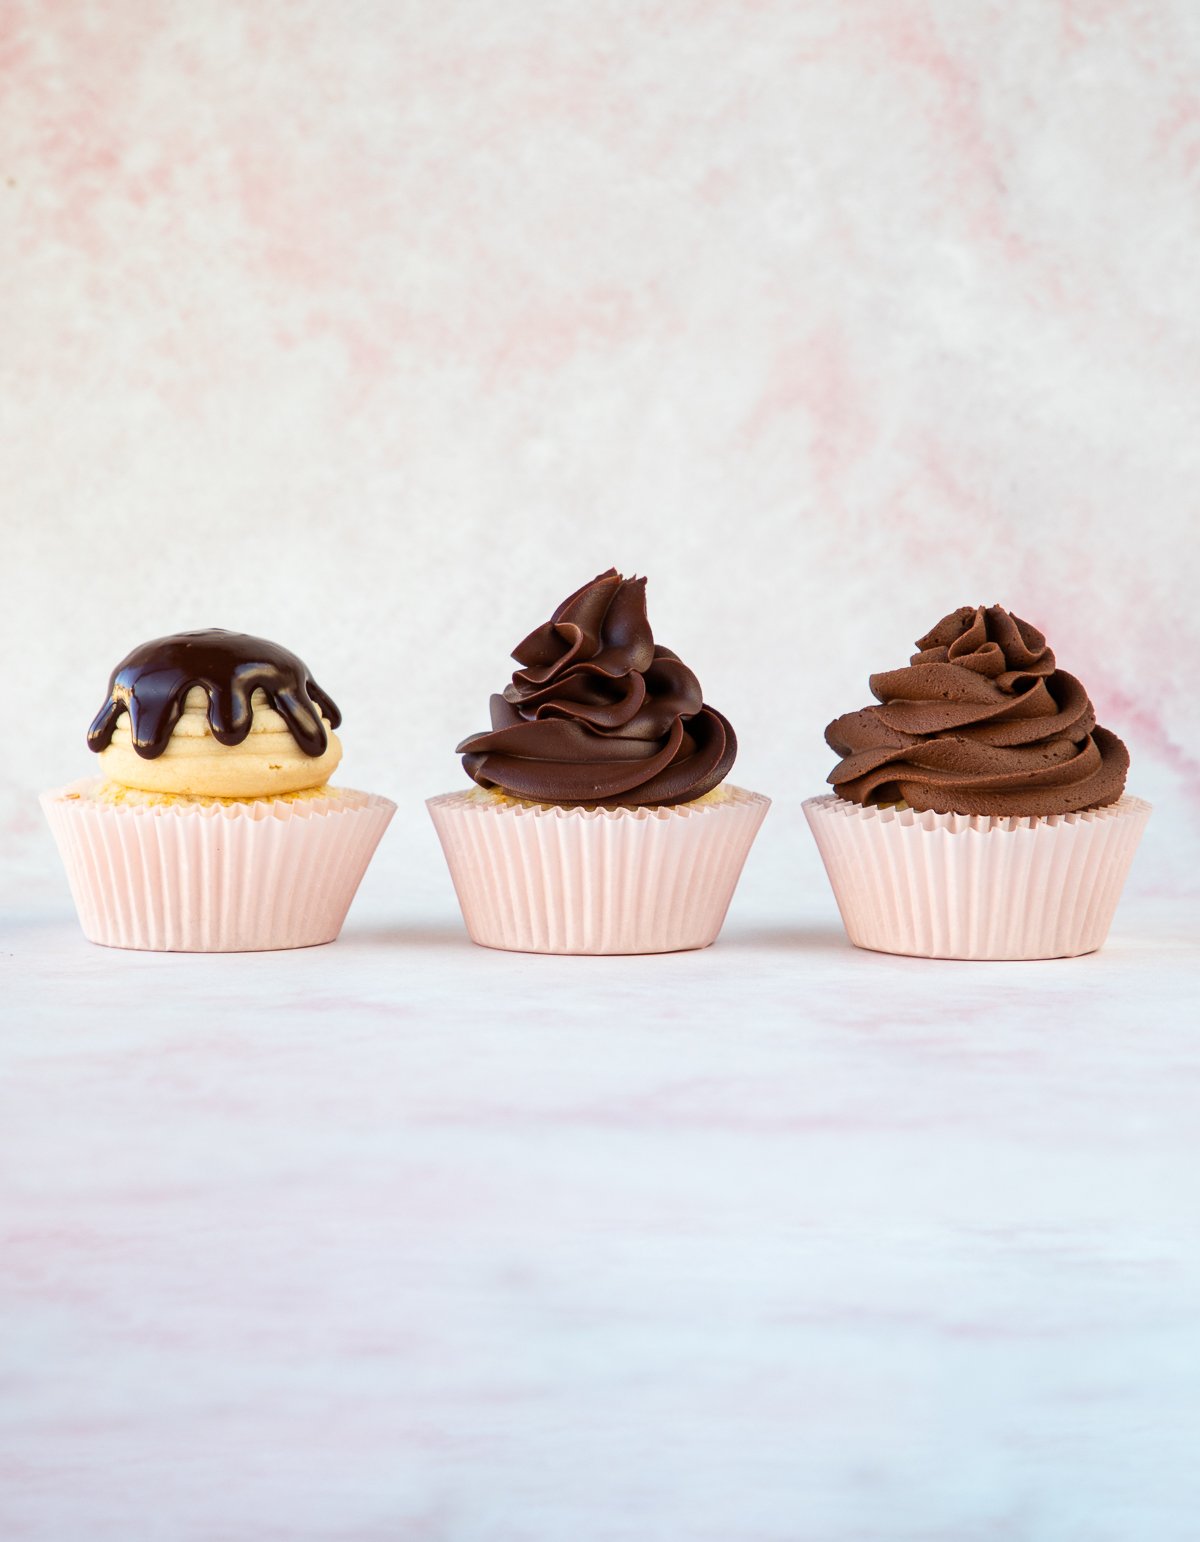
{"x":599,"y":713}
{"x":601,"y":821}
{"x":213,"y":827}
{"x":979,"y":808}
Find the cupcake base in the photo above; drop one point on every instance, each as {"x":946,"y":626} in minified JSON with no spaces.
{"x":970,"y":887}
{"x":189,"y":877}
{"x":538,"y":878}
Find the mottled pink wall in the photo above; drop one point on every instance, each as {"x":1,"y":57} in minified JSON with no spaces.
{"x":379,"y":327}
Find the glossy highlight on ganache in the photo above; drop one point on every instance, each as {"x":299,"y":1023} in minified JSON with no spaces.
{"x":981,"y":722}
{"x":599,"y":714}
{"x":152,"y":684}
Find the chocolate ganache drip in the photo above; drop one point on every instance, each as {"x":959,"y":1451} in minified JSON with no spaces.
{"x":600,"y":714}
{"x":152,"y":684}
{"x":981,"y":722}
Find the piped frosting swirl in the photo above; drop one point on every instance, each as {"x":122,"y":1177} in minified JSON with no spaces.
{"x":599,"y":713}
{"x":981,"y":722}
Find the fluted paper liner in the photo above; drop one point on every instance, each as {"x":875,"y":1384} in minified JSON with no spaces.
{"x":970,"y":887}
{"x":535,"y":878}
{"x":226,"y":878}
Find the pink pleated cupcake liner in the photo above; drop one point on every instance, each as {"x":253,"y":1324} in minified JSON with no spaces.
{"x":959,"y":886}
{"x":541,"y":879}
{"x":227,"y":878}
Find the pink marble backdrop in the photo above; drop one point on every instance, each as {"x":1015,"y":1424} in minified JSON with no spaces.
{"x":378,"y":326}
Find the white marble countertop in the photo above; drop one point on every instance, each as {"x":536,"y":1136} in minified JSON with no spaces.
{"x":402,"y":1238}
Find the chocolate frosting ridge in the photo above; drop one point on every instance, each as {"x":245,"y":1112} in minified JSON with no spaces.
{"x":599,"y":713}
{"x":981,"y":722}
{"x":152,"y":684}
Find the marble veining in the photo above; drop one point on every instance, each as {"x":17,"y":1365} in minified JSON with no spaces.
{"x":404,"y":1238}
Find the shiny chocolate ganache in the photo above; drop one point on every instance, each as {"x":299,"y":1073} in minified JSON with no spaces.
{"x":152,"y":685}
{"x":981,"y":722}
{"x":599,"y":713}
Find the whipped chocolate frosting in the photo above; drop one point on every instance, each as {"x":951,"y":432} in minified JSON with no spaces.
{"x":152,"y":684}
{"x":599,"y":713}
{"x":981,"y":722}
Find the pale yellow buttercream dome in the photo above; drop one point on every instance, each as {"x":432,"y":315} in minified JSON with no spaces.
{"x":266,"y":763}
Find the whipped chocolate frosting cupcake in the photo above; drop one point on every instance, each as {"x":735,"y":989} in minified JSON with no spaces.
{"x":213,"y":827}
{"x":979,"y":808}
{"x":602,"y":821}
{"x":982,"y":721}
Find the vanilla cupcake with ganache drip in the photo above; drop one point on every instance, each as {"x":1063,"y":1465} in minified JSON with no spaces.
{"x":216,"y":714}
{"x":601,"y":821}
{"x":213,"y":827}
{"x":979,"y":808}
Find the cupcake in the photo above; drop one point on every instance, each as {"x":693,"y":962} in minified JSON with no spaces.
{"x":978,"y":811}
{"x":600,"y":820}
{"x":212,"y":827}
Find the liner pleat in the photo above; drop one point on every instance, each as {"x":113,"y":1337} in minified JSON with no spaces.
{"x":959,"y":886}
{"x":220,"y":879}
{"x":532,"y":878}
